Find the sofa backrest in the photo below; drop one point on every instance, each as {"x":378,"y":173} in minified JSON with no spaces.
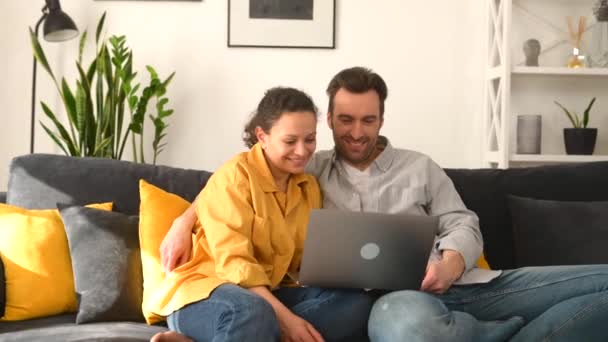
{"x":40,"y":181}
{"x":485,"y":192}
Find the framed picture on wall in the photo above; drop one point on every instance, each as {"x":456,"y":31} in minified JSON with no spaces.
{"x":282,"y":23}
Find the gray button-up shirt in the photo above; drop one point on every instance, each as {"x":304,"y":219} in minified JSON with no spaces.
{"x":404,"y":181}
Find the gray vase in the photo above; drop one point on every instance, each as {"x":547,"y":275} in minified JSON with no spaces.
{"x":529,"y":134}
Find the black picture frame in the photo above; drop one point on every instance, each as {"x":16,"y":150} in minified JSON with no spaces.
{"x":279,"y":29}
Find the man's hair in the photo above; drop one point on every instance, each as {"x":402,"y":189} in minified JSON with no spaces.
{"x":357,"y":80}
{"x":274,"y":104}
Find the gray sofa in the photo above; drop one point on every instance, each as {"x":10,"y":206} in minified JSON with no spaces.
{"x":41,"y":181}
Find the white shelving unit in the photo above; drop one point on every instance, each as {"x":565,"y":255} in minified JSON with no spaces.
{"x":502,"y":74}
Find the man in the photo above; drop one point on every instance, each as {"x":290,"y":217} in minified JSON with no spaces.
{"x":456,"y":301}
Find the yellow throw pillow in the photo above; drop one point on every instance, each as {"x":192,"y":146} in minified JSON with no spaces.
{"x":483,"y":263}
{"x":37,"y":264}
{"x":157,"y":211}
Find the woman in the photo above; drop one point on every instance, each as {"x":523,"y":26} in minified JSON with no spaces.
{"x":253,"y":214}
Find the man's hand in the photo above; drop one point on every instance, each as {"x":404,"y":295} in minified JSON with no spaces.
{"x":177,"y":245}
{"x":440,"y":275}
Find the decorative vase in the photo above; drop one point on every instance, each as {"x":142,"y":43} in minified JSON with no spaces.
{"x":580,"y":140}
{"x":577,"y":58}
{"x":598,"y":49}
{"x":529,"y":134}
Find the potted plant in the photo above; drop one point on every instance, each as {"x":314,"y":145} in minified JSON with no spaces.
{"x":104,"y":92}
{"x":579,"y":139}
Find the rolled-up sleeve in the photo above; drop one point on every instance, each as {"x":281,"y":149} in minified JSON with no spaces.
{"x":227,"y":218}
{"x":458,"y":226}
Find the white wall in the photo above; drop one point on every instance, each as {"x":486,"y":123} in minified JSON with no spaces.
{"x":428,"y":52}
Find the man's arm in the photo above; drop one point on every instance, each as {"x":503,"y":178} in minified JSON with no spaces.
{"x":458,"y":226}
{"x":460,"y":242}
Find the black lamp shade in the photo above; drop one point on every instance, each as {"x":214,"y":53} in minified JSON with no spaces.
{"x":58,"y":26}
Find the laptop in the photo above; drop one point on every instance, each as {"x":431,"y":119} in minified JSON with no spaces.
{"x":346,"y":249}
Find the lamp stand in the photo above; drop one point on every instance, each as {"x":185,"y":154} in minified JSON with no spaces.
{"x":33,"y":118}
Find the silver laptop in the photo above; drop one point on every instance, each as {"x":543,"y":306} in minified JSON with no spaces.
{"x":366,"y":250}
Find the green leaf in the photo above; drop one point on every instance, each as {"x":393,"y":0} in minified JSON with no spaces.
{"x":135,"y":128}
{"x":55,"y":138}
{"x":168,"y":80}
{"x":153,"y":73}
{"x":107,"y":70}
{"x":166,"y":113}
{"x":100,"y":27}
{"x":62,"y":131}
{"x":81,"y":45}
{"x":162,"y":102}
{"x":586,"y":114}
{"x":91,"y":71}
{"x":101,"y":147}
{"x":39,"y":54}
{"x":81,"y":110}
{"x":70,"y":102}
{"x":573,"y":118}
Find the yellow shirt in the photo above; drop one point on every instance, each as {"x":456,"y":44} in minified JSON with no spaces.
{"x":249,"y":233}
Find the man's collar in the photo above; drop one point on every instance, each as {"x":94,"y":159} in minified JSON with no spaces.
{"x":383,"y":161}
{"x":256,"y":158}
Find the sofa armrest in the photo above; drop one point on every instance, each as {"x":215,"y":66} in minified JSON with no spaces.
{"x":2,"y":197}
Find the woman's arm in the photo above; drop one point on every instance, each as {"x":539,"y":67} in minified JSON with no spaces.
{"x":176,"y":247}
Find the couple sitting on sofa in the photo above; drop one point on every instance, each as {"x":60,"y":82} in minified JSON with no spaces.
{"x":250,"y":224}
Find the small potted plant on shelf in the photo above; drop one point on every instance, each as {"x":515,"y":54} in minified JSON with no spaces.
{"x":579,"y":139}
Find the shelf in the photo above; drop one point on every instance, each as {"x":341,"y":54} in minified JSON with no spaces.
{"x":559,"y":71}
{"x":556,"y":158}
{"x":495,"y":72}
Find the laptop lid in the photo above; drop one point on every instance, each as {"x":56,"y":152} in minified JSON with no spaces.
{"x":348,"y":249}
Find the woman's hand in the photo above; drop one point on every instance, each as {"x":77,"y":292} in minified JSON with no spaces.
{"x":176,"y":247}
{"x":293,"y":327}
{"x":296,"y":329}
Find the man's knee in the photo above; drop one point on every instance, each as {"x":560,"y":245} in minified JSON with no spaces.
{"x":406,"y":315}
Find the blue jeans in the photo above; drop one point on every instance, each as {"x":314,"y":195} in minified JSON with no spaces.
{"x":233,"y":313}
{"x":561,"y":303}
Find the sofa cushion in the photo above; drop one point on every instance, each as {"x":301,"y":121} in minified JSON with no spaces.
{"x":485,"y":192}
{"x":559,"y":232}
{"x":158,"y":210}
{"x":2,"y":288}
{"x":63,"y":329}
{"x":37,"y":263}
{"x":39,"y":181}
{"x":106,"y":261}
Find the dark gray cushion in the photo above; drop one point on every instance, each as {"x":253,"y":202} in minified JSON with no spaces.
{"x":2,"y":197}
{"x":485,"y":192}
{"x":106,"y":261}
{"x":559,"y":232}
{"x":39,"y":181}
{"x":63,"y":329}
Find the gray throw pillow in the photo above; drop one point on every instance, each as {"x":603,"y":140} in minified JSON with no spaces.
{"x":104,"y":247}
{"x":2,"y":289}
{"x":559,"y":232}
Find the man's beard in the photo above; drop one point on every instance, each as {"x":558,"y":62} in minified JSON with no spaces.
{"x":365,"y":156}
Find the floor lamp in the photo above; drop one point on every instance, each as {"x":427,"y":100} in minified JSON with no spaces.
{"x":58,"y":27}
